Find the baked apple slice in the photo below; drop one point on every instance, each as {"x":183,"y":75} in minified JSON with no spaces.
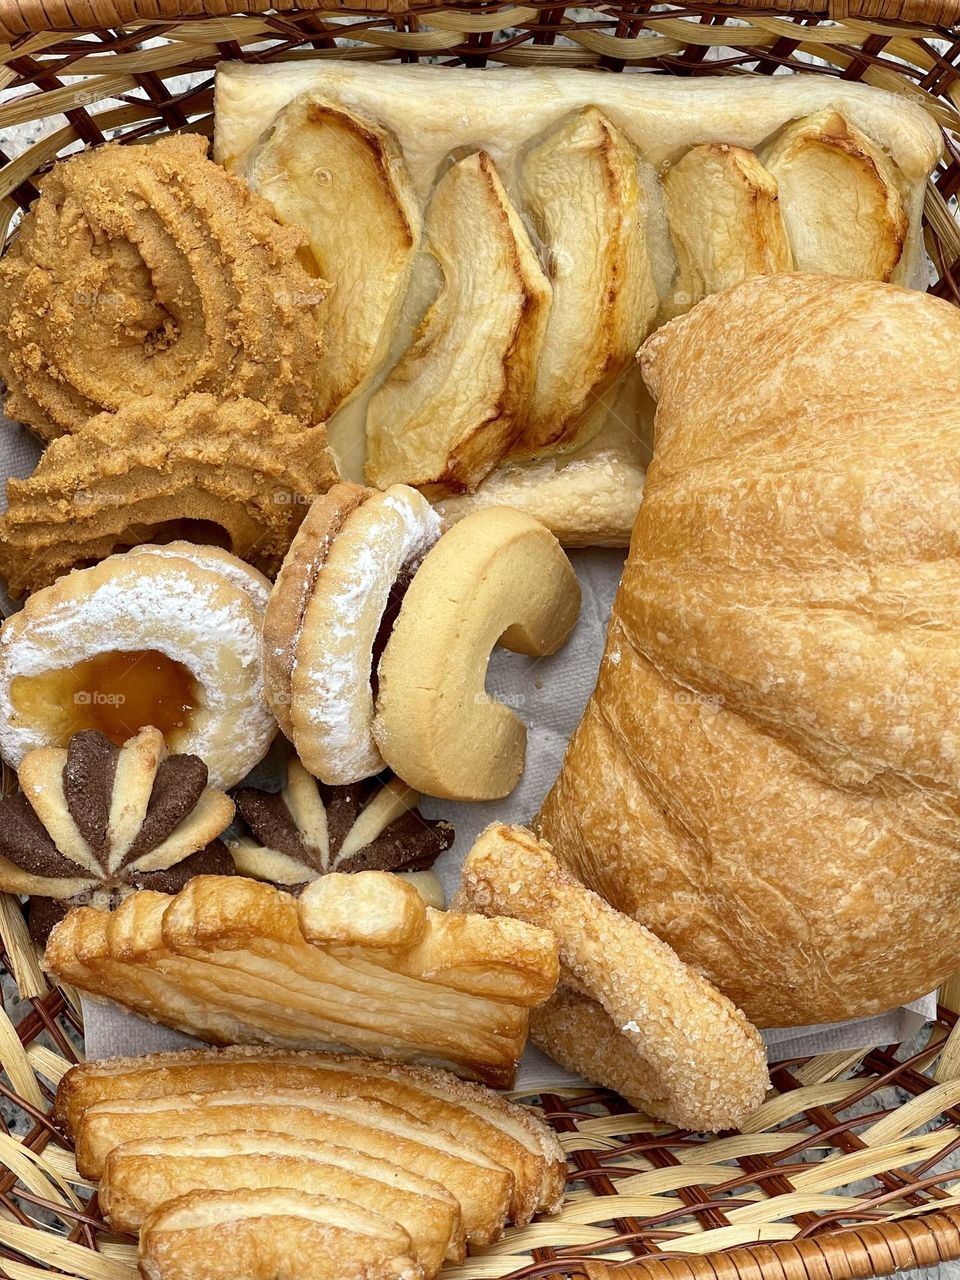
{"x":840,"y":196}
{"x":725,"y":220}
{"x":455,"y":403}
{"x":344,"y":181}
{"x":582,"y":188}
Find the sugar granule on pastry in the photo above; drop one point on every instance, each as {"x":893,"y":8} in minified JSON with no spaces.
{"x":234,"y":469}
{"x":629,"y":1013}
{"x":308,"y":830}
{"x":147,"y":270}
{"x":167,"y":640}
{"x":95,"y":822}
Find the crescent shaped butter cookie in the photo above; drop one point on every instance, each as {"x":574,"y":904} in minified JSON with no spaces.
{"x":355,"y":552}
{"x":498,"y":575}
{"x":629,"y":1013}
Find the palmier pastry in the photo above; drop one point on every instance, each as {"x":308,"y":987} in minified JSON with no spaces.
{"x":92,"y":823}
{"x":140,"y":1176}
{"x":481,"y":1185}
{"x":147,"y":270}
{"x":497,"y":576}
{"x":235,"y":470}
{"x":323,"y":629}
{"x":141,"y":638}
{"x":263,"y":1233}
{"x":508,"y":1133}
{"x":308,"y":830}
{"x":629,"y":1014}
{"x":358,"y":961}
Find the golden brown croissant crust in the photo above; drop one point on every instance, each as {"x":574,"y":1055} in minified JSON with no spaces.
{"x":768,"y":774}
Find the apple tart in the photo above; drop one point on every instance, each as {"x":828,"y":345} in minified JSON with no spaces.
{"x":530,"y":228}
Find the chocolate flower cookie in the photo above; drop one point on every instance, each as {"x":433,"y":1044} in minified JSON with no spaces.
{"x":310,"y":829}
{"x":94,"y":822}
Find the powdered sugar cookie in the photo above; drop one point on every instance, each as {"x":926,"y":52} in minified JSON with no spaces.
{"x":143,"y":638}
{"x":351,"y":560}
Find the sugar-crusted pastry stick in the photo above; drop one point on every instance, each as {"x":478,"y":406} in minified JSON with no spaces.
{"x":697,"y":1061}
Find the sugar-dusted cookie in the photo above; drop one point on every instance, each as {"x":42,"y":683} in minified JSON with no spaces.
{"x":327,"y":618}
{"x":143,"y":638}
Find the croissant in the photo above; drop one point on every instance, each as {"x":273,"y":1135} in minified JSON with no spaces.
{"x":768,"y":773}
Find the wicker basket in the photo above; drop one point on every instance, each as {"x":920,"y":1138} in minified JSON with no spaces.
{"x":850,"y":1168}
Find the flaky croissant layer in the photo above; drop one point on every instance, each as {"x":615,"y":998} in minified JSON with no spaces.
{"x":768,"y":774}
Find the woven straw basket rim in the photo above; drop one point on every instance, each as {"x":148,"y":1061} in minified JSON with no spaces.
{"x":846,"y":1171}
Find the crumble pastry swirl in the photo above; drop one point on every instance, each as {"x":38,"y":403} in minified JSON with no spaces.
{"x":149,"y":269}
{"x":245,"y":471}
{"x":308,"y":830}
{"x":95,"y":822}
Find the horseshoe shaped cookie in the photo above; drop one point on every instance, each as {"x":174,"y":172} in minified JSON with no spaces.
{"x":498,"y":575}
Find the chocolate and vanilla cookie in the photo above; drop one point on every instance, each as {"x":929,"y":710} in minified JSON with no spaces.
{"x":94,"y":822}
{"x":309,"y":829}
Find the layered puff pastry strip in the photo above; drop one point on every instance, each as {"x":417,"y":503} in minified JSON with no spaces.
{"x":262,"y":1234}
{"x":358,"y":961}
{"x":629,"y":1014}
{"x":767,"y":774}
{"x":562,"y":431}
{"x":509,"y":1134}
{"x":144,"y":1174}
{"x":481,"y":1186}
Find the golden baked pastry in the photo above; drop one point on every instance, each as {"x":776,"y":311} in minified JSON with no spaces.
{"x":766,"y":776}
{"x":724,"y":216}
{"x":457,"y":400}
{"x":94,"y":822}
{"x":261,"y":1234}
{"x":509,"y":1134}
{"x":315,"y":157}
{"x":572,"y":133}
{"x":140,"y":1176}
{"x":480,"y":1185}
{"x":840,"y":196}
{"x":496,"y":576}
{"x":582,"y":188}
{"x":323,"y":628}
{"x":146,"y":270}
{"x":308,"y":830}
{"x":357,"y":961}
{"x":628,"y":1013}
{"x":229,"y":469}
{"x":145,"y":638}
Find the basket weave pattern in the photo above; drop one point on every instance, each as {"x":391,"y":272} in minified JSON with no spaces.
{"x":851,"y":1168}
